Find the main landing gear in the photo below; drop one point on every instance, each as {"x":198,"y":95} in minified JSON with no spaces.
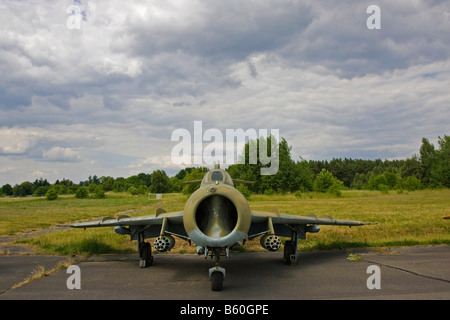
{"x":145,"y":252}
{"x":290,"y":249}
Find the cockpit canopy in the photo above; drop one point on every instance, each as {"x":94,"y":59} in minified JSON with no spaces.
{"x":217,"y":176}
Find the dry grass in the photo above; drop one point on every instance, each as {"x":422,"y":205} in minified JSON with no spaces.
{"x":41,"y":272}
{"x":412,"y":218}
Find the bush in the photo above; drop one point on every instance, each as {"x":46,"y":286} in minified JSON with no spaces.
{"x":99,"y":192}
{"x":298,"y":194}
{"x":51,"y":194}
{"x":82,"y":193}
{"x":336,"y":188}
{"x":411,"y":183}
{"x":244,"y":190}
{"x":326,"y":182}
{"x":40,"y":191}
{"x":383,"y":188}
{"x":132,"y":190}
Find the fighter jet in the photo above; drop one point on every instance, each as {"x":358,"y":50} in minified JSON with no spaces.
{"x":216,"y":218}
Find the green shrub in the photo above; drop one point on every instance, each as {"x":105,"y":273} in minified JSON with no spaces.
{"x":132,"y":190}
{"x":298,"y":194}
{"x":51,"y":194}
{"x":326,"y":182}
{"x":244,"y":190}
{"x":411,"y":183}
{"x":40,"y":191}
{"x":99,"y":192}
{"x":82,"y":193}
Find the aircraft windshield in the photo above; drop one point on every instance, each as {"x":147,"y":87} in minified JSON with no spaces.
{"x":217,"y":176}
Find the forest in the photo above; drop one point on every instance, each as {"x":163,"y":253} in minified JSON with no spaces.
{"x":428,"y":169}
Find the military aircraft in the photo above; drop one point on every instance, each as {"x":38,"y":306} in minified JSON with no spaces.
{"x":216,"y":218}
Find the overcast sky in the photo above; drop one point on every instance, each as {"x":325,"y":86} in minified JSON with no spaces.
{"x":104,"y":99}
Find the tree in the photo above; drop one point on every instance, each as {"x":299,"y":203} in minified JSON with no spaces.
{"x":99,"y":192}
{"x":443,"y":160}
{"x":392,"y":179}
{"x":132,"y":190}
{"x":119,"y":185}
{"x":377,"y":182}
{"x":326,"y":182}
{"x":427,"y":161}
{"x":7,"y":190}
{"x":304,"y":176}
{"x":160,"y":182}
{"x":107,"y":183}
{"x":146,"y":178}
{"x":175,"y":184}
{"x":411,"y":167}
{"x":290,"y":177}
{"x":24,"y":189}
{"x":194,"y":174}
{"x":82,"y":193}
{"x":411,"y":183}
{"x":51,"y":194}
{"x":359,"y":181}
{"x":435,"y":164}
{"x":40,"y":191}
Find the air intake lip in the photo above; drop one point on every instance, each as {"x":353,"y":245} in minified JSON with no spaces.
{"x":217,"y":219}
{"x":216,"y":216}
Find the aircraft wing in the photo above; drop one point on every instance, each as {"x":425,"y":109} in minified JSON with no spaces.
{"x":282,"y":218}
{"x":151,"y":225}
{"x":123,"y":220}
{"x":283,"y":224}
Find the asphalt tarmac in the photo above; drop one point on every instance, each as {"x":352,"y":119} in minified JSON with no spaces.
{"x":404,"y":273}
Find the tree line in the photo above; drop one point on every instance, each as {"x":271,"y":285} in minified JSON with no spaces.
{"x":429,"y":169}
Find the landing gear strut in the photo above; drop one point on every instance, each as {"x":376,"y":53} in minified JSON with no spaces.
{"x":290,"y":249}
{"x":216,"y":273}
{"x":145,"y":252}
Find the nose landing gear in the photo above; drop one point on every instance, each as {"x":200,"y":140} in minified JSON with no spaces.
{"x":216,"y":273}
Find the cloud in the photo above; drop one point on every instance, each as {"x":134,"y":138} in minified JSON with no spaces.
{"x":61,"y":154}
{"x":106,"y":98}
{"x":16,"y":141}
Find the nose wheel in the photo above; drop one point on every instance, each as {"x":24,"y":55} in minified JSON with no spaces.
{"x":217,"y":273}
{"x":217,"y":276}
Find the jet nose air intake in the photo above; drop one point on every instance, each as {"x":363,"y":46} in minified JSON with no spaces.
{"x":216,"y":216}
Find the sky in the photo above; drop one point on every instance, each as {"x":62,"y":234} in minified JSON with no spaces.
{"x":98,"y":87}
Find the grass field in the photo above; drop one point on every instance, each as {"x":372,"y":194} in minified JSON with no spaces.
{"x":409,"y":218}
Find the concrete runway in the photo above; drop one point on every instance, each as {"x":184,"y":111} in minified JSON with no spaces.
{"x":405,"y":273}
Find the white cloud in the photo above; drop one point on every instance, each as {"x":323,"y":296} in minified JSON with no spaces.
{"x":61,"y":154}
{"x":105,"y":99}
{"x":16,"y":141}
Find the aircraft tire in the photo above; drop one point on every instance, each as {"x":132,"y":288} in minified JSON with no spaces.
{"x":216,"y":281}
{"x":147,"y":259}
